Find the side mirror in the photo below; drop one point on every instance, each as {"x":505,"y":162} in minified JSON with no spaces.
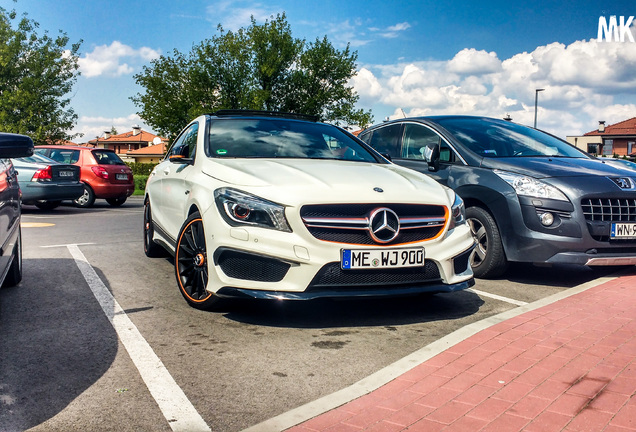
{"x":431,"y":154}
{"x":15,"y":146}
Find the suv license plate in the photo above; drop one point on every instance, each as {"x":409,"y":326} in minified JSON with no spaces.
{"x":381,"y":259}
{"x":623,"y":231}
{"x":121,"y":176}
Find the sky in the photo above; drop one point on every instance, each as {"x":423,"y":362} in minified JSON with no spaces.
{"x":414,"y":57}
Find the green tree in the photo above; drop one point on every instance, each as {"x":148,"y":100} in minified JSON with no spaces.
{"x":261,"y":67}
{"x":37,"y":73}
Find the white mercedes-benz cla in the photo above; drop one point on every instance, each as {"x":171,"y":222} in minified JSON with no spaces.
{"x":257,"y":204}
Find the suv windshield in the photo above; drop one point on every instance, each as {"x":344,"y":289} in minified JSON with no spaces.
{"x":274,"y":138}
{"x":497,"y":139}
{"x":107,"y":158}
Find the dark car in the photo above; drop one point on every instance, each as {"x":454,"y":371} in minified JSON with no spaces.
{"x":529,"y":196}
{"x":102,"y":171}
{"x":46,"y":183}
{"x":11,"y":146}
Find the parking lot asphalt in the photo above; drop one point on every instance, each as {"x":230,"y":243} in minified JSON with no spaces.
{"x":564,"y":363}
{"x":295,"y":364}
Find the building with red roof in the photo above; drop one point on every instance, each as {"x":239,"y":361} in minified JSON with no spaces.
{"x":151,"y":154}
{"x":608,"y":140}
{"x":126,"y":142}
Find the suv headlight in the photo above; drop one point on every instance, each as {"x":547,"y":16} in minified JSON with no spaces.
{"x":530,"y":186}
{"x":458,"y":212}
{"x":240,"y":208}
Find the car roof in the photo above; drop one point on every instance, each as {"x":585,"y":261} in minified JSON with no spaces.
{"x":71,"y":147}
{"x":260,"y":114}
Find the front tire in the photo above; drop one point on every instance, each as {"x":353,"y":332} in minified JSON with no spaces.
{"x":488,"y":259}
{"x":87,"y":199}
{"x":191,"y":264}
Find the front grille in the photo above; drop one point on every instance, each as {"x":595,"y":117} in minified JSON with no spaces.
{"x":246,"y":266}
{"x":609,"y":209}
{"x":332,"y":275}
{"x":349,"y":223}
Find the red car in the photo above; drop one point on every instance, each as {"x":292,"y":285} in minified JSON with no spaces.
{"x":102,"y":171}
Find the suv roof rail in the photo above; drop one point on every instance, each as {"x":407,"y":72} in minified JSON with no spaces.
{"x":257,"y":113}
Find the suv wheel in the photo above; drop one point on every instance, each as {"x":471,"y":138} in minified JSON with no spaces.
{"x":87,"y":199}
{"x":488,"y":259}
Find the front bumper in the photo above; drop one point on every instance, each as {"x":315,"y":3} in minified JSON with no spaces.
{"x":370,"y":292}
{"x":263,"y":263}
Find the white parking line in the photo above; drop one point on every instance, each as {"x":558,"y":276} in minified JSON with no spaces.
{"x":173,"y":403}
{"x":497,"y":297}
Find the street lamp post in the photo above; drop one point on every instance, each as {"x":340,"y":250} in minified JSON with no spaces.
{"x":536,"y":99}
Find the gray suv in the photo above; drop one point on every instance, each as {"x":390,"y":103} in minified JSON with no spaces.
{"x":529,"y":196}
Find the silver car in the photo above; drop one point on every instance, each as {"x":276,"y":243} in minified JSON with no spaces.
{"x":45,"y":183}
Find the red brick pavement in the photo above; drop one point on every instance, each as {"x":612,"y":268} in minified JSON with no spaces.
{"x":568,"y":366}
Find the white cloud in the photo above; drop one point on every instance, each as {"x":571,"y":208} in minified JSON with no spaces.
{"x":469,"y":61}
{"x":92,"y":127}
{"x":109,"y":60}
{"x":584,"y":82}
{"x":233,"y":15}
{"x":391,"y":32}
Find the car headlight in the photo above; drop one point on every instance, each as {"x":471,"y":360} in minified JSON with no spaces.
{"x":530,"y":186}
{"x":458,"y":212}
{"x":240,"y":208}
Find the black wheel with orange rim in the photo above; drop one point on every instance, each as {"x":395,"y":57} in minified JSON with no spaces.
{"x":191,"y":264}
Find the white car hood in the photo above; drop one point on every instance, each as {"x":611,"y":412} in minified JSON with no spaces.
{"x":297,"y":181}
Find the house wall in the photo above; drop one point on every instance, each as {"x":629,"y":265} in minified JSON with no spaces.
{"x":586,"y":143}
{"x":619,"y":146}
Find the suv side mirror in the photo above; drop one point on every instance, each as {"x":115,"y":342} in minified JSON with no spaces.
{"x":431,"y":154}
{"x":15,"y":146}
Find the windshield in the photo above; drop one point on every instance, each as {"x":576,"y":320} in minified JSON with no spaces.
{"x":277,"y":138}
{"x":496,"y":139}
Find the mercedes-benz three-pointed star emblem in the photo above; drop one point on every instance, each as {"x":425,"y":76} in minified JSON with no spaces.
{"x":384,"y":225}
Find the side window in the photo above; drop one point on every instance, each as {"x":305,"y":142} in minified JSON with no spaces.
{"x":417,"y":137}
{"x":64,"y":155}
{"x":386,"y":140}
{"x":186,"y":144}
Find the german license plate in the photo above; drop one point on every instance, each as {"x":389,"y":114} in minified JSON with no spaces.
{"x":623,"y":231}
{"x":121,"y":176}
{"x":66,"y":173}
{"x":381,"y":258}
